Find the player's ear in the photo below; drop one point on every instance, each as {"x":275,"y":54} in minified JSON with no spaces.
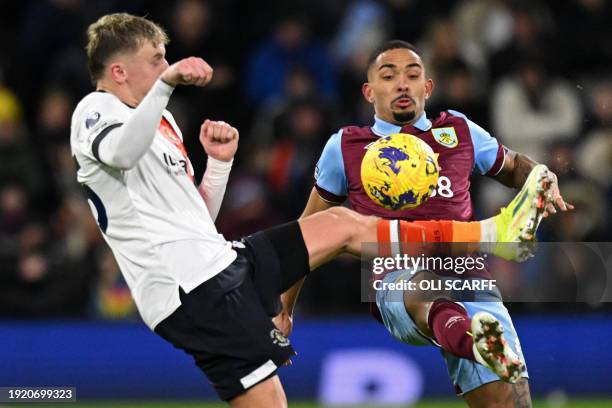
{"x":117,"y":72}
{"x":429,"y":86}
{"x":366,"y":90}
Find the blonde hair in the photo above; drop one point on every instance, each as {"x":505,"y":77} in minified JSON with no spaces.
{"x":115,"y":33}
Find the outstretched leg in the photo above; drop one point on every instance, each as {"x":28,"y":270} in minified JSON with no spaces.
{"x":330,"y":232}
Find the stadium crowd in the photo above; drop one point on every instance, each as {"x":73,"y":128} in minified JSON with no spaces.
{"x":537,"y":74}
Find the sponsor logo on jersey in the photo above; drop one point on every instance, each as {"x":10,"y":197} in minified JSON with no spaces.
{"x":278,"y":338}
{"x":446,"y":136}
{"x":92,"y":119}
{"x":175,"y":166}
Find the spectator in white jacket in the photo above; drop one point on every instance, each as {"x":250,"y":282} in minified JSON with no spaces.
{"x":531,"y":111}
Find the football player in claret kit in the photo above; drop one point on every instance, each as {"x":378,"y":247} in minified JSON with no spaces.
{"x":211,"y":298}
{"x":470,"y":335}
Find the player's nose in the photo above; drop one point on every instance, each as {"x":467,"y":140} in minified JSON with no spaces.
{"x":402,"y":84}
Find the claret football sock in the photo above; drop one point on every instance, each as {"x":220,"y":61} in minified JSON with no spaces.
{"x":451,"y":325}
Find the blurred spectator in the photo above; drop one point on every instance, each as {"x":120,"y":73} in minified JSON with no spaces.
{"x":292,"y":158}
{"x":562,"y":161}
{"x":14,"y":209}
{"x":588,"y":222}
{"x":364,"y":26}
{"x":41,"y":278}
{"x":48,"y":29}
{"x":113,"y":299}
{"x":459,"y":92}
{"x":53,"y":121}
{"x":443,"y":50}
{"x":485,"y":26}
{"x":299,"y":84}
{"x":585,"y":36}
{"x":531,"y":35}
{"x":19,"y":164}
{"x":594,"y":155}
{"x":531,"y":110}
{"x":273,"y":118}
{"x":289,"y":45}
{"x":196,"y":28}
{"x":247,"y":207}
{"x":407,"y":19}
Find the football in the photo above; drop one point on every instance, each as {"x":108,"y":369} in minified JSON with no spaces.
{"x":399,"y":171}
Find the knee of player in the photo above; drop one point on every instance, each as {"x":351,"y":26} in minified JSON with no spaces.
{"x":339,"y":212}
{"x":345,"y":223}
{"x":500,"y":394}
{"x":353,"y":221}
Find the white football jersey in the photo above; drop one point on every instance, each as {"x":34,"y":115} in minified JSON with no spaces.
{"x":151,"y":215}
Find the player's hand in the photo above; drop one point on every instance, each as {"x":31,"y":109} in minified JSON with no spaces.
{"x":188,"y":71}
{"x":556,"y":200}
{"x":219,"y":139}
{"x":283,"y":322}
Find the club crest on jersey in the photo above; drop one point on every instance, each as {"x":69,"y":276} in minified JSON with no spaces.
{"x":446,"y":136}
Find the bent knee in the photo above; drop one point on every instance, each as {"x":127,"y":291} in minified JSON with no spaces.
{"x":352,"y":217}
{"x":341,"y":213}
{"x":352,"y":225}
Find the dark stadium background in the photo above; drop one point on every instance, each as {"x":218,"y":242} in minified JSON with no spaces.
{"x":536,"y":74}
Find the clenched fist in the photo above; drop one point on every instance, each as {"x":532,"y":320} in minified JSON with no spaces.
{"x":219,"y":139}
{"x":188,"y":71}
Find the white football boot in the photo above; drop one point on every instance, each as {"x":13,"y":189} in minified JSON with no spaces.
{"x":492,"y":350}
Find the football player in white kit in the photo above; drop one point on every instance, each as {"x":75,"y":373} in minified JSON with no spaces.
{"x":191,"y":286}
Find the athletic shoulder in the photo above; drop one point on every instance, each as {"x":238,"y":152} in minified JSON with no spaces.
{"x":489,"y":154}
{"x":101,"y":101}
{"x":330,"y":178}
{"x":352,"y":130}
{"x":474,"y":127}
{"x":95,"y":113}
{"x":452,"y":112}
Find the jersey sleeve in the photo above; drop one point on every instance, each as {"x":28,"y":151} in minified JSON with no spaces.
{"x":489,"y":154}
{"x":98,"y":117}
{"x":330,"y":178}
{"x":121,"y":145}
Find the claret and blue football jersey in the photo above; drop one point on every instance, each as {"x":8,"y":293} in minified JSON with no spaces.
{"x":463,"y":148}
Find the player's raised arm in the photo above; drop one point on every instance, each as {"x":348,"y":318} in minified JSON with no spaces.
{"x":124,"y":145}
{"x":220,"y":142}
{"x":507,"y":166}
{"x":514,"y":172}
{"x":188,"y":71}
